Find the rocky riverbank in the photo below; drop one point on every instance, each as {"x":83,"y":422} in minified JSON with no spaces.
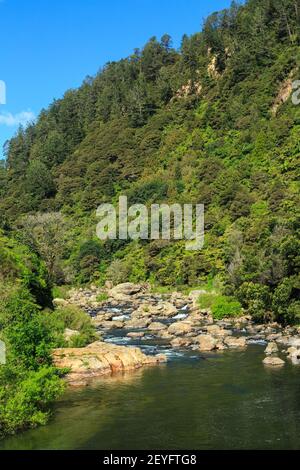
{"x":174,"y":319}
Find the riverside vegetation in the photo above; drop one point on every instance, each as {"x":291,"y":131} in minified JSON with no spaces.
{"x":211,"y":123}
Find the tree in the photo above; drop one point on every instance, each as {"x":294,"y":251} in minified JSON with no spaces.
{"x":44,"y":233}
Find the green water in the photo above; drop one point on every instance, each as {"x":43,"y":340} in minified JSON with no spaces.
{"x":222,"y":401}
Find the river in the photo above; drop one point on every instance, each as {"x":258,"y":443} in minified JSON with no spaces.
{"x":224,"y":400}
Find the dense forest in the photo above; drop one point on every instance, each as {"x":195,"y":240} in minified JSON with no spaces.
{"x":211,"y":123}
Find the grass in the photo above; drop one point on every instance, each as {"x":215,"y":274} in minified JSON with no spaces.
{"x":102,"y":297}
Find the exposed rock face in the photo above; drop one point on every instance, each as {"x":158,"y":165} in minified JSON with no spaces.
{"x":273,"y":361}
{"x":206,"y":342}
{"x":99,"y":359}
{"x":283,"y":94}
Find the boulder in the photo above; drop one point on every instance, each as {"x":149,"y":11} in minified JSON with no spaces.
{"x":272,"y":348}
{"x":206,"y":342}
{"x":294,"y":355}
{"x":137,"y":323}
{"x":100,"y":359}
{"x":164,"y":334}
{"x":124,"y":292}
{"x":216,"y":330}
{"x":294,"y":342}
{"x":180,"y":342}
{"x":179,"y":328}
{"x":110,"y":325}
{"x":273,"y":361}
{"x":136,"y":334}
{"x":163,"y":309}
{"x":157,"y":326}
{"x":234,"y":342}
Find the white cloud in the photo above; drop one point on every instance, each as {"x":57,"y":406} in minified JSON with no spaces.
{"x":19,"y":119}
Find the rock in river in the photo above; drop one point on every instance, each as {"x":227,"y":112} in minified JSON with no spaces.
{"x":180,"y":328}
{"x":272,"y":348}
{"x":273,"y":361}
{"x":100,"y":358}
{"x":206,"y":342}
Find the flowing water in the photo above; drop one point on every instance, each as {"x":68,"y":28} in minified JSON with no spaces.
{"x":224,"y":400}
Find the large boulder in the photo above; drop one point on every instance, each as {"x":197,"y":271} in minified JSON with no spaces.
{"x":216,"y":330}
{"x":180,"y":328}
{"x":234,"y":342}
{"x":206,"y":342}
{"x":124,"y":292}
{"x":163,"y":309}
{"x":273,"y":361}
{"x":294,"y":355}
{"x":157,"y":326}
{"x":99,"y":359}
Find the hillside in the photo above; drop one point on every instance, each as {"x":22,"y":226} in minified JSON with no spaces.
{"x":210,"y":123}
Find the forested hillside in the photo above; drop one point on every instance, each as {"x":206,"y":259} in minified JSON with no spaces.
{"x":210,"y":123}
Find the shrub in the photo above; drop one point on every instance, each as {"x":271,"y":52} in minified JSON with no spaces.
{"x":74,"y":318}
{"x":117,"y":272}
{"x":26,"y":403}
{"x":225,"y":307}
{"x":255,"y":298}
{"x":220,"y":306}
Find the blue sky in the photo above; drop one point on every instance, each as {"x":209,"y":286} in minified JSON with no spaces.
{"x":49,"y":46}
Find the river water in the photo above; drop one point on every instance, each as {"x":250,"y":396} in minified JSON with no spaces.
{"x":225,"y":400}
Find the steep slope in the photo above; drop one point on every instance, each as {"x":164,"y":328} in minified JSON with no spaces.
{"x":212,"y":123}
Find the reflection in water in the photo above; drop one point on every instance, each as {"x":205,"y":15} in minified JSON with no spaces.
{"x":219,"y":401}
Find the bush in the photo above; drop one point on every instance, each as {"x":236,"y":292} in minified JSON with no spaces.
{"x":255,"y":298}
{"x":226,"y":307}
{"x":220,"y":306}
{"x":74,"y":318}
{"x":117,"y":272}
{"x":29,"y":339}
{"x":26,"y":403}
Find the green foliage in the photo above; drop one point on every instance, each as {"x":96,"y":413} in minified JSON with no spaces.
{"x":102,"y":297}
{"x":221,"y":306}
{"x":25,"y":403}
{"x":255,"y":298}
{"x":74,"y":318}
{"x":27,"y":337}
{"x":202,"y":124}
